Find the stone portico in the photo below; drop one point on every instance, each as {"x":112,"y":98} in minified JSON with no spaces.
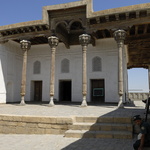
{"x":88,"y":65}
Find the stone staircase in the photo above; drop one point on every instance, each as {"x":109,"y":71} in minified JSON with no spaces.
{"x":77,"y":127}
{"x":101,"y":127}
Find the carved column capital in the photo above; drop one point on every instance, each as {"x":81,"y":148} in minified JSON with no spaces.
{"x":119,"y":36}
{"x":53,"y":41}
{"x":25,"y":45}
{"x":84,"y":39}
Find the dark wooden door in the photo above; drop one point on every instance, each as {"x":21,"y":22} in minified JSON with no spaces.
{"x":97,"y":90}
{"x":65,"y":91}
{"x":38,"y":91}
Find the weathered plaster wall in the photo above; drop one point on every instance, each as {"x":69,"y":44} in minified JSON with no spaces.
{"x":2,"y":79}
{"x":10,"y":72}
{"x":105,"y":49}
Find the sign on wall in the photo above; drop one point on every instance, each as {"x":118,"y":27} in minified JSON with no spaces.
{"x":98,"y":92}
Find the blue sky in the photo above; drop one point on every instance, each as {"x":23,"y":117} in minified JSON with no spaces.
{"x":15,"y":11}
{"x":138,"y":80}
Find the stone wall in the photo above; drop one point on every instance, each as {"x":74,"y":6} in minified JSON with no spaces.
{"x":138,"y":96}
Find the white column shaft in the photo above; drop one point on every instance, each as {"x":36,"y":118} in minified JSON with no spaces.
{"x":120,"y":68}
{"x":24,"y":68}
{"x":119,"y":36}
{"x":84,"y":72}
{"x":53,"y":42}
{"x":52,"y":74}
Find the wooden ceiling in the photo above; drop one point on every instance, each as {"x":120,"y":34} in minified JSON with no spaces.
{"x":138,"y":41}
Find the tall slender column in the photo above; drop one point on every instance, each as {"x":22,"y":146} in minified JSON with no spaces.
{"x":120,"y":36}
{"x":53,"y":42}
{"x":84,"y":41}
{"x":25,"y":45}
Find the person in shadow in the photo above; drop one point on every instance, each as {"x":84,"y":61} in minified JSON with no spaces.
{"x":145,"y":100}
{"x":144,"y":136}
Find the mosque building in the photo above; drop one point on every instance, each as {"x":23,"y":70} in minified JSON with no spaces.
{"x":74,"y":54}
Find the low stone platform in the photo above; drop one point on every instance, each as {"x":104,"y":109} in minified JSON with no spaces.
{"x":13,"y":124}
{"x":77,"y":127}
{"x":41,"y":119}
{"x":59,"y":111}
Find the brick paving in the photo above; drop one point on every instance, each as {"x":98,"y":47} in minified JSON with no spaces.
{"x":58,"y":142}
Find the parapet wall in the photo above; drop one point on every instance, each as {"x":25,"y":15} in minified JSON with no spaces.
{"x":138,"y":96}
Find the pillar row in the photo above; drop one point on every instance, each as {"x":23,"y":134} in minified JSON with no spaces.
{"x":53,"y":42}
{"x":84,"y":40}
{"x":25,"y":46}
{"x":120,"y":36}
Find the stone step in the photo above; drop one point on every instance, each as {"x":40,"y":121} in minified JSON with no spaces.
{"x":98,"y":134}
{"x":101,"y":127}
{"x":103,"y":119}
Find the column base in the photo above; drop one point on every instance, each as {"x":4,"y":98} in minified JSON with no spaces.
{"x":51,"y":103}
{"x":120,"y":104}
{"x":84,"y":103}
{"x":22,"y":103}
